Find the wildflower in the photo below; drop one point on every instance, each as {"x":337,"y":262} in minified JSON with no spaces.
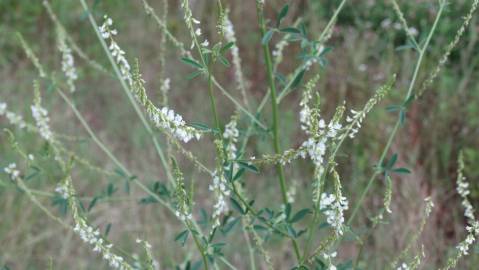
{"x":183,"y":211}
{"x":163,"y":118}
{"x":165,"y":86}
{"x":356,"y":118}
{"x":107,"y":33}
{"x":12,"y":171}
{"x":3,"y":108}
{"x":68,"y":62}
{"x":290,"y":195}
{"x":15,"y":119}
{"x":220,"y":188}
{"x":329,"y":257}
{"x":92,"y":236}
{"x":334,"y":208}
{"x":231,"y":134}
{"x":239,"y":77}
{"x":195,"y":32}
{"x":41,"y":118}
{"x":403,"y":266}
{"x":62,"y":191}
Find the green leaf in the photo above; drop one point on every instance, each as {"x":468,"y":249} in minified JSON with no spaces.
{"x":300,"y":215}
{"x":291,"y":30}
{"x":92,"y":203}
{"x":107,"y":229}
{"x":193,"y":75}
{"x":226,"y":47}
{"x":191,"y":62}
{"x":238,"y":174}
{"x":282,"y":14}
{"x":391,"y":162}
{"x":267,"y":37}
{"x":182,"y":237}
{"x":247,"y":166}
{"x":297,"y":79}
{"x":236,"y":205}
{"x":402,"y":170}
{"x":228,"y":226}
{"x":224,"y":61}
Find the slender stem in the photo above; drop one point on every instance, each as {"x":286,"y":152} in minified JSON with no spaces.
{"x":127,"y":172}
{"x":127,"y":91}
{"x":274,"y":106}
{"x":422,"y":52}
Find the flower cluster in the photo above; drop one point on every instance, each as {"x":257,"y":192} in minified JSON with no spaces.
{"x":464,"y":246}
{"x":463,"y":191}
{"x":231,"y":134}
{"x":41,"y":118}
{"x":107,"y":33}
{"x":220,"y":188}
{"x":334,"y":208}
{"x":329,"y":257}
{"x":193,"y":25}
{"x":357,"y":117}
{"x":12,"y":171}
{"x":165,"y":86}
{"x":230,"y":37}
{"x":163,"y":118}
{"x":92,"y":236}
{"x":403,"y":266}
{"x":68,"y":62}
{"x":13,"y":118}
{"x":62,"y":191}
{"x":183,"y":211}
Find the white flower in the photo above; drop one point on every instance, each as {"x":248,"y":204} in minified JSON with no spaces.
{"x":92,"y":236}
{"x":3,"y":108}
{"x":41,"y":118}
{"x":118,"y":54}
{"x":31,"y":157}
{"x":12,"y":171}
{"x":62,"y":190}
{"x":15,"y":119}
{"x":333,"y":210}
{"x":68,"y":63}
{"x":221,"y":191}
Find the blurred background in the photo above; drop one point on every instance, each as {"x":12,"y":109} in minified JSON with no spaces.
{"x":364,"y":55}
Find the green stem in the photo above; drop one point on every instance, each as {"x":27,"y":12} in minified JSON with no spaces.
{"x":127,"y":91}
{"x":274,"y":106}
{"x":398,"y":122}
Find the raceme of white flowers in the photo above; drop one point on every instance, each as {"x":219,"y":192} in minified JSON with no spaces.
{"x":92,"y":236}
{"x":231,"y":134}
{"x":68,"y":62}
{"x":163,"y":118}
{"x":329,"y":257}
{"x":42,"y":121}
{"x":62,"y":191}
{"x":473,"y":227}
{"x":12,"y":171}
{"x":12,"y":118}
{"x":403,"y":266}
{"x":165,"y":86}
{"x":230,"y":37}
{"x":193,"y":25}
{"x":107,"y":33}
{"x":221,"y":190}
{"x":334,"y":208}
